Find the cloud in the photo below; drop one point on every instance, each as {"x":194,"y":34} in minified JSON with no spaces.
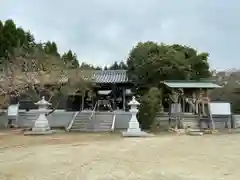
{"x":102,"y":31}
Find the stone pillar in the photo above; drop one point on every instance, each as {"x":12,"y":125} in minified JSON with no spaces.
{"x":133,"y":125}
{"x":41,"y":125}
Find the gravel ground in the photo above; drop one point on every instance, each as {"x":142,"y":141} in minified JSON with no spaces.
{"x":109,"y":157}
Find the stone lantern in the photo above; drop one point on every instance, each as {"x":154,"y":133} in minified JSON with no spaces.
{"x":133,"y":125}
{"x":41,"y":125}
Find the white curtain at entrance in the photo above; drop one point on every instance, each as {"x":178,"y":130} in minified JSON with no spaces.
{"x":104,"y":92}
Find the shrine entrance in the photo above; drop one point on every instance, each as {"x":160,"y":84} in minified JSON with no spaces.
{"x":189,"y":97}
{"x":74,"y":103}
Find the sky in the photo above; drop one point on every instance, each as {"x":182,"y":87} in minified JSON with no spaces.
{"x":103,"y":31}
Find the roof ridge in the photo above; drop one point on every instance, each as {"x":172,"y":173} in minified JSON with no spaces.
{"x":190,"y":81}
{"x":111,"y":70}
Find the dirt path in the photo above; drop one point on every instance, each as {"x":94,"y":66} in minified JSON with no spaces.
{"x":104,"y":157}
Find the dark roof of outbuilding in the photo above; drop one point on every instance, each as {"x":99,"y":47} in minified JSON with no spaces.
{"x":110,"y":76}
{"x":191,"y":84}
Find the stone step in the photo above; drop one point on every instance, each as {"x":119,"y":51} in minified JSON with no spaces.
{"x":82,"y":119}
{"x":195,"y":133}
{"x":90,"y":130}
{"x":79,"y":130}
{"x":83,"y":126}
{"x":194,"y":130}
{"x":92,"y":126}
{"x":82,"y":115}
{"x":90,"y":121}
{"x":78,"y":125}
{"x":82,"y":122}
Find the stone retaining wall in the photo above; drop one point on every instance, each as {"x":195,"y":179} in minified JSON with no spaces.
{"x":236,"y":121}
{"x":61,"y":118}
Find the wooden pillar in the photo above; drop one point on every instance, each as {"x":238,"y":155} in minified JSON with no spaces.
{"x":124,"y":98}
{"x":190,"y":108}
{"x":83,"y":96}
{"x":183,"y":105}
{"x":114,"y":91}
{"x":95,"y":100}
{"x":197,"y":107}
{"x":169,"y":114}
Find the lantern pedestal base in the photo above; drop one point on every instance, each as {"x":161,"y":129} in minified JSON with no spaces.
{"x":41,"y":127}
{"x":133,"y":128}
{"x":136,"y":134}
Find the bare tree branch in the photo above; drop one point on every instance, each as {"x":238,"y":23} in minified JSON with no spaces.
{"x":35,"y":73}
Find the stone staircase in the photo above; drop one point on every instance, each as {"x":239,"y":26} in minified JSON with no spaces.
{"x":91,"y":122}
{"x":81,"y":121}
{"x":190,"y":120}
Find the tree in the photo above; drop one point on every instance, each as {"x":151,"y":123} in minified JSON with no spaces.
{"x":41,"y":74}
{"x":122,"y":65}
{"x":149,"y":63}
{"x":197,"y":62}
{"x":89,"y":66}
{"x":51,"y":48}
{"x":12,"y":37}
{"x":10,"y":88}
{"x":30,"y":40}
{"x":114,"y":66}
{"x":22,"y":39}
{"x":117,"y":66}
{"x":34,"y":69}
{"x":98,"y":68}
{"x":9,"y":38}
{"x":150,"y":105}
{"x":70,"y":60}
{"x":86,"y":66}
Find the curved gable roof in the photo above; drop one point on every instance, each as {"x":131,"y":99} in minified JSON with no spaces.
{"x":110,"y":76}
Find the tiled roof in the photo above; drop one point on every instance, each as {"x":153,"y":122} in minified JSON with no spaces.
{"x":110,"y":76}
{"x":191,"y":84}
{"x":96,"y":76}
